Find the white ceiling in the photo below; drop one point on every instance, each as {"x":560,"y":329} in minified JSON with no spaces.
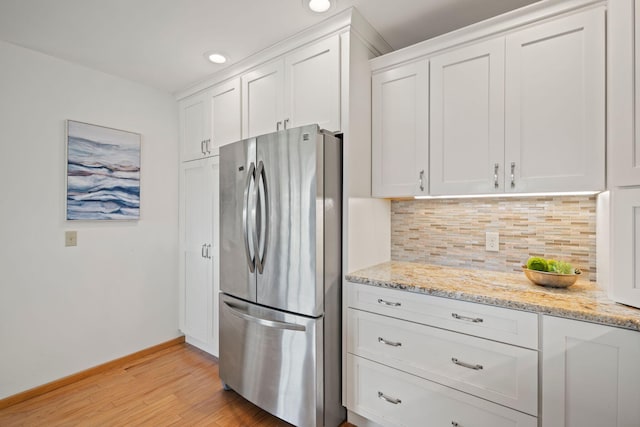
{"x":161,"y":42}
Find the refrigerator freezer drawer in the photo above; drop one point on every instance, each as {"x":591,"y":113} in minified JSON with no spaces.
{"x":273,"y":359}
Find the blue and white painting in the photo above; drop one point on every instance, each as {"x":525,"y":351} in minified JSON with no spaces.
{"x":103,"y":173}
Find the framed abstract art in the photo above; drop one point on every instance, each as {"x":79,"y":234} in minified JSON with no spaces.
{"x":103,"y":173}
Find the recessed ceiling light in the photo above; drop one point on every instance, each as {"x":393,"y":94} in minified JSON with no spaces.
{"x":216,"y":58}
{"x":319,"y":6}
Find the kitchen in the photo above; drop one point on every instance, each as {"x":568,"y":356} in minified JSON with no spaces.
{"x":84,"y":287}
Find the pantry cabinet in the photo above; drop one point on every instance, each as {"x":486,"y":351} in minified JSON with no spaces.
{"x":199,"y":282}
{"x":300,"y":88}
{"x":516,"y":106}
{"x":555,"y":105}
{"x":400,"y":126}
{"x":590,"y":375}
{"x":319,"y":76}
{"x":467,"y":120}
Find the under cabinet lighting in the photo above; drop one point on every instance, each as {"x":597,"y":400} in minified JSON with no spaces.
{"x":474,"y":196}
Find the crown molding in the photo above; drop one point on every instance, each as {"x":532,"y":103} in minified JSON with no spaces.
{"x":491,"y":27}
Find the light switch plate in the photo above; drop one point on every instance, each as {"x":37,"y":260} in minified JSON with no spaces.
{"x":492,"y":241}
{"x":71,"y":238}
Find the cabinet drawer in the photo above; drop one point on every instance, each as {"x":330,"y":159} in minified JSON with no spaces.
{"x":498,"y":372}
{"x":496,"y":323}
{"x":394,"y":398}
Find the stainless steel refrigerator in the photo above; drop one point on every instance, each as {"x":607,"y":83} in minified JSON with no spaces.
{"x":280,"y":273}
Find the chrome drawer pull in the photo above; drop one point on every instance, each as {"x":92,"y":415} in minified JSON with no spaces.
{"x":466,"y":365}
{"x":383,"y":396}
{"x":391,"y":343}
{"x":467,"y":319}
{"x":391,"y":304}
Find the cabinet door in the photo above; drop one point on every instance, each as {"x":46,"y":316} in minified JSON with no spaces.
{"x":312,"y":93}
{"x":194,"y":126}
{"x":625,"y":246}
{"x":199,"y":249}
{"x":400,"y":150}
{"x":467,"y":120}
{"x":590,"y":375}
{"x":262,"y":99}
{"x":555,"y":110}
{"x":623,"y":108}
{"x":226,"y":122}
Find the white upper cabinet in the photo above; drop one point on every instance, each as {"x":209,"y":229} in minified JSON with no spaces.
{"x":555,"y":105}
{"x":301,"y":88}
{"x":312,"y":92}
{"x":210,"y":119}
{"x":400,"y":123}
{"x":623,"y":92}
{"x":262,"y":99}
{"x":195,"y":127}
{"x":226,"y":123}
{"x":517,"y":104}
{"x":467,"y":120}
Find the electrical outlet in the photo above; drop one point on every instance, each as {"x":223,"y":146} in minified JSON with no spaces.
{"x":492,"y":241}
{"x":71,"y":238}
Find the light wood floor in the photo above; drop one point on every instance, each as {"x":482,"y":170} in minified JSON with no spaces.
{"x":178,"y":386}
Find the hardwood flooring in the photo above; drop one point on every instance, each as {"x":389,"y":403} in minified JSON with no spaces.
{"x":178,"y":386}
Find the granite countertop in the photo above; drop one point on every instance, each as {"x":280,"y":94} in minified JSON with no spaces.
{"x":582,"y":301}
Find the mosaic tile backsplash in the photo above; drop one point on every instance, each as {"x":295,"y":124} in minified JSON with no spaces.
{"x":451,"y":232}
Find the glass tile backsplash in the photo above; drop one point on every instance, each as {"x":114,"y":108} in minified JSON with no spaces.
{"x":452,"y":231}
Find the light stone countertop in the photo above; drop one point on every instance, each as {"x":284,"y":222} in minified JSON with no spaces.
{"x":582,"y":301}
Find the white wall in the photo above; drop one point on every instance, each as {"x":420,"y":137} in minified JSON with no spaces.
{"x":63,"y":310}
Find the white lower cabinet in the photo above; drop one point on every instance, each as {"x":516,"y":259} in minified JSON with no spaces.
{"x":393,"y":398}
{"x":418,"y":360}
{"x":590,"y":375}
{"x":495,"y":323}
{"x":498,"y":372}
{"x":624,"y":257}
{"x":409,"y":366}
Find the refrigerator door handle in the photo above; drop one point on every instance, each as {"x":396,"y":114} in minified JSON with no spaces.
{"x":255,"y":237}
{"x":261,"y":230}
{"x":264,"y":224}
{"x":251,"y":259}
{"x":233,"y":309}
